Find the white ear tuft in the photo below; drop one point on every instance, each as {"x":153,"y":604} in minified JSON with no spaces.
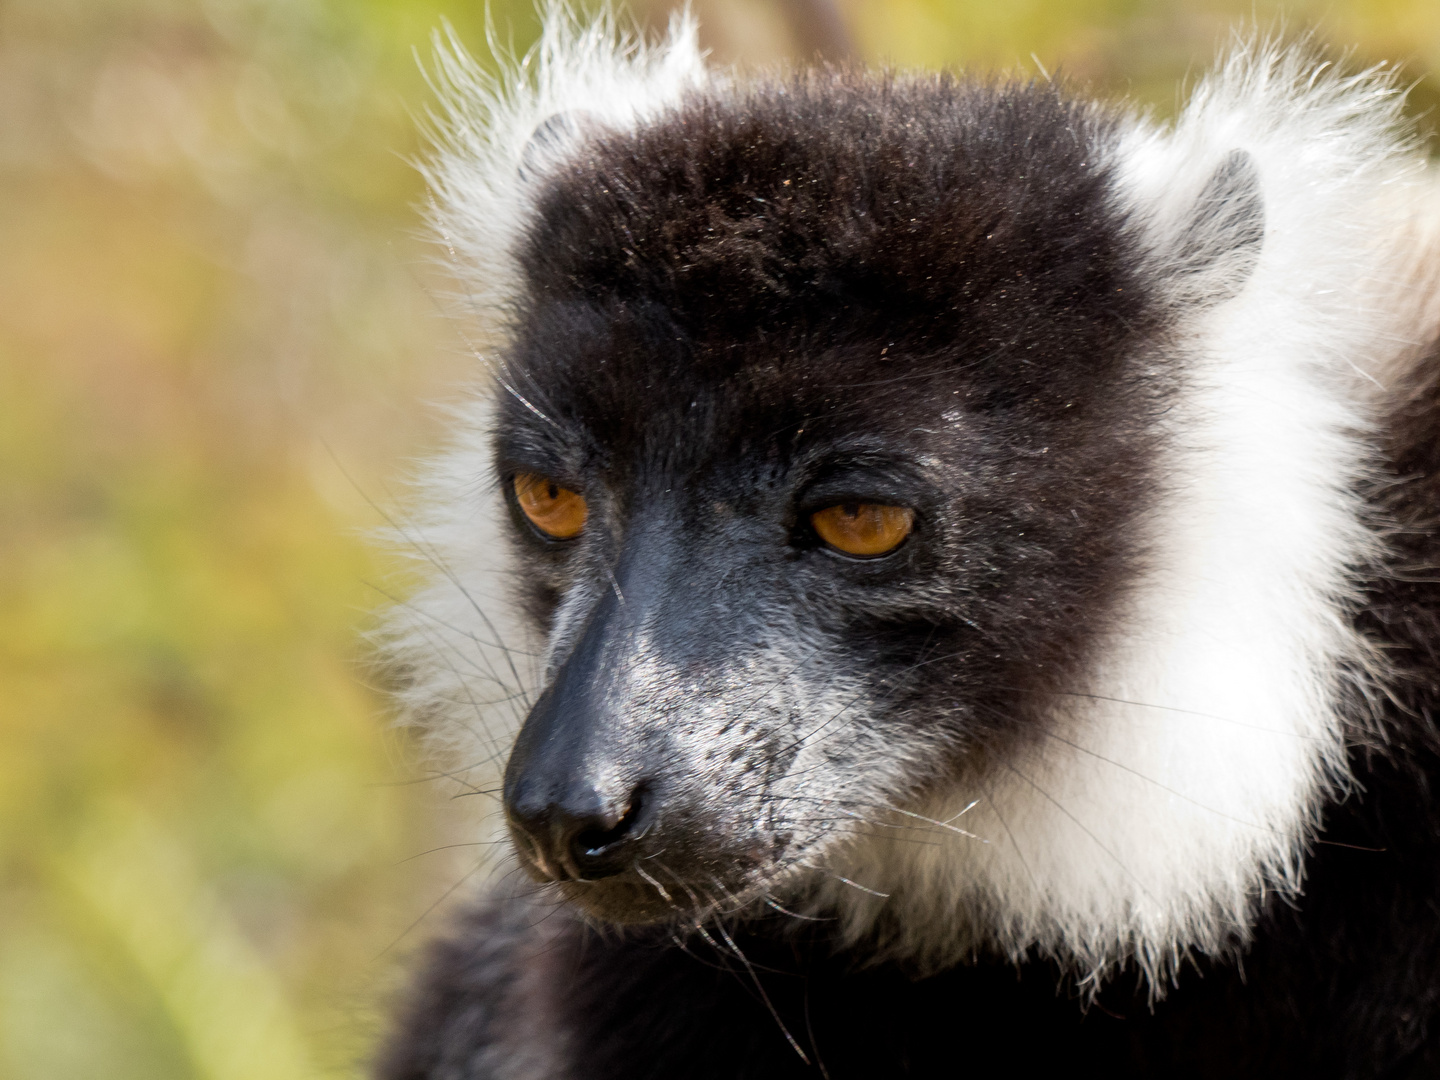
{"x":496,"y":135}
{"x":552,"y":140}
{"x":1217,"y":250}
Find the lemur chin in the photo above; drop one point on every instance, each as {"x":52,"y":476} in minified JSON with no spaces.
{"x":938,"y":540}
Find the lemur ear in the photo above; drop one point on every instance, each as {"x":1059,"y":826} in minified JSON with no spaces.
{"x":550,"y":139}
{"x":1217,"y":249}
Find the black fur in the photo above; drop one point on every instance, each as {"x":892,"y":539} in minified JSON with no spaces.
{"x":912,"y":292}
{"x":927,"y":287}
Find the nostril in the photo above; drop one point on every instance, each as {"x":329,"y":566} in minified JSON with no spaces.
{"x":582,"y":837}
{"x":590,"y":846}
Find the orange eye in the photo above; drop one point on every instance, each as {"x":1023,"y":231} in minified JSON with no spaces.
{"x":557,"y":512}
{"x":863,"y":529}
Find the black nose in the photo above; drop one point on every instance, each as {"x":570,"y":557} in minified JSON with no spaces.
{"x":581,"y":838}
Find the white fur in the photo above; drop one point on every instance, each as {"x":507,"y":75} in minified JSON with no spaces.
{"x":609,"y":79}
{"x":1157,"y":811}
{"x":465,"y":688}
{"x":1160,"y":807}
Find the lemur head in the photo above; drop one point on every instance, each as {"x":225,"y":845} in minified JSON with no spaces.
{"x":831,"y":414}
{"x":865,"y":450}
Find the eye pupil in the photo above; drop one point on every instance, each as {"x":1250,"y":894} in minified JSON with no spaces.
{"x":555,"y":511}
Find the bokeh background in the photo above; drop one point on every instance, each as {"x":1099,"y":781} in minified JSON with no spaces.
{"x":219,"y":349}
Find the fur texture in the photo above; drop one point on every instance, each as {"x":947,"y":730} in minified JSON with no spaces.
{"x":1155,"y":668}
{"x":1170,"y":799}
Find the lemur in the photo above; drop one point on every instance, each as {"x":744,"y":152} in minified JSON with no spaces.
{"x":949,"y":570}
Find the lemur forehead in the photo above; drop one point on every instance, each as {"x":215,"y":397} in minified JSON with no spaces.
{"x":612,"y":414}
{"x":848,"y":220}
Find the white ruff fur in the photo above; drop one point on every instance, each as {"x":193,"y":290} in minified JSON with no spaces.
{"x":469,"y":692}
{"x":1159,"y":808}
{"x":1185,"y":777}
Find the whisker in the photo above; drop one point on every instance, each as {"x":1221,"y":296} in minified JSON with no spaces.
{"x":846,"y":880}
{"x":494,"y":743}
{"x":995,"y":808}
{"x":764,"y":996}
{"x":932,"y":821}
{"x":664,"y":895}
{"x":447,"y":847}
{"x":525,"y":401}
{"x":1163,"y":708}
{"x":430,"y":554}
{"x":428,"y":551}
{"x":1086,"y":830}
{"x":810,"y":1032}
{"x":1163,"y":787}
{"x":771,"y":686}
{"x":469,"y":635}
{"x":426,"y":913}
{"x":771,"y":902}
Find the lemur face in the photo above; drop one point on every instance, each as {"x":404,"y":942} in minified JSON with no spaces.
{"x":825,"y":426}
{"x":940,"y":502}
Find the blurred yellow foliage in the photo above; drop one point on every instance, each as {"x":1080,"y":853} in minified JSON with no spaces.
{"x":216,"y":336}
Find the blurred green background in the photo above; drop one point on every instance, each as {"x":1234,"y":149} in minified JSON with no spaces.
{"x":217,"y":345}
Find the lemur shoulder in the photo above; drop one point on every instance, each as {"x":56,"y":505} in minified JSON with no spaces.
{"x":950,"y":569}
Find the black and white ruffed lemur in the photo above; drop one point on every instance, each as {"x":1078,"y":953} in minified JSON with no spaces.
{"x":949,"y":569}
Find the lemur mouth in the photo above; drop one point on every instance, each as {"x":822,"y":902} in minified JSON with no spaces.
{"x":634,"y":871}
{"x":643,"y":896}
